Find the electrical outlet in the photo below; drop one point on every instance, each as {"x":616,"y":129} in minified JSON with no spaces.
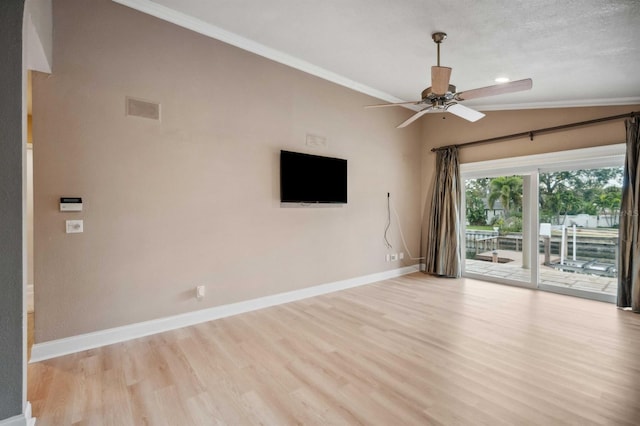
{"x":387,"y":257}
{"x":394,"y":256}
{"x":200,"y":292}
{"x":401,"y":255}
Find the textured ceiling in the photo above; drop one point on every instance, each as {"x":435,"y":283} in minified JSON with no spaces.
{"x":578,"y":52}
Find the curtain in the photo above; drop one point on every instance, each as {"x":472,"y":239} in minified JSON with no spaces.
{"x":629,"y":240}
{"x":443,"y":253}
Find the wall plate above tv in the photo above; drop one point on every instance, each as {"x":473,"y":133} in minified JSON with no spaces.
{"x":312,"y":180}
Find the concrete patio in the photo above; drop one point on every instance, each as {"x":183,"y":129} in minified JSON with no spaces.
{"x":513,"y":270}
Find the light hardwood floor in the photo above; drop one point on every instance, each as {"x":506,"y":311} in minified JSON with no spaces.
{"x":414,"y":350}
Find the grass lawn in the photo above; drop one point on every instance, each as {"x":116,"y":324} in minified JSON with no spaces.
{"x":479,"y":228}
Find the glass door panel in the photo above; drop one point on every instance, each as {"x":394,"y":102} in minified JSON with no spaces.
{"x":497,"y":238}
{"x":578,"y":226}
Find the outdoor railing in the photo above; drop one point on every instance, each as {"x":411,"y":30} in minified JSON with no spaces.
{"x":481,"y":240}
{"x":603,"y":247}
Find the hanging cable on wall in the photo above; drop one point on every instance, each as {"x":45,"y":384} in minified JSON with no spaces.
{"x":386,"y":229}
{"x":395,"y":213}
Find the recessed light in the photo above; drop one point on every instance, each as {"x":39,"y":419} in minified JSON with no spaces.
{"x":502,"y":79}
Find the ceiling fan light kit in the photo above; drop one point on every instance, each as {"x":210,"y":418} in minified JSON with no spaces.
{"x":442,"y":96}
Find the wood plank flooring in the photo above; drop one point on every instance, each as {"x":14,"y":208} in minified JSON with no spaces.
{"x":415,"y":350}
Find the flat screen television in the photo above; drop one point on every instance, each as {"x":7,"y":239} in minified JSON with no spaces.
{"x":306,"y":178}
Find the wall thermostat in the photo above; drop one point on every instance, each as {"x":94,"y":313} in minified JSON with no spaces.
{"x":70,"y":204}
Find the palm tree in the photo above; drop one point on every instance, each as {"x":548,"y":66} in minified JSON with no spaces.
{"x":609,"y":204}
{"x":507,"y":189}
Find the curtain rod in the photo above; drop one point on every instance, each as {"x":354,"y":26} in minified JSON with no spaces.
{"x":532,"y":133}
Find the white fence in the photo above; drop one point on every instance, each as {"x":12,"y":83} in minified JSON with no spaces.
{"x":589,"y":221}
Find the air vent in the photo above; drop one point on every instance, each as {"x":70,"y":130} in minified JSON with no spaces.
{"x":144,"y":109}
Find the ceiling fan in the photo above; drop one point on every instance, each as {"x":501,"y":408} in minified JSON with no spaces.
{"x":442,"y":96}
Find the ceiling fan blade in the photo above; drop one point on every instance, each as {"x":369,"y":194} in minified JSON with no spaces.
{"x":497,"y":89}
{"x":465,"y":112}
{"x":414,"y":117}
{"x":398,"y":104}
{"x":440,"y":80}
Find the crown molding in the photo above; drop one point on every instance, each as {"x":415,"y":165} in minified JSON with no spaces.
{"x":170,"y":15}
{"x":560,"y":104}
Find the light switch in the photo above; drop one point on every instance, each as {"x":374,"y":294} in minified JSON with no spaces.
{"x":75,"y":226}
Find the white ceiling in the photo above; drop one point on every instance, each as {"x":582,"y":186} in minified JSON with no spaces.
{"x":578,"y":52}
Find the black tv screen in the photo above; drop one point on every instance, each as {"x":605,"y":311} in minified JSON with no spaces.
{"x":306,"y":178}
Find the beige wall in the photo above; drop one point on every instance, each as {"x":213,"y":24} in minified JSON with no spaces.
{"x":446,"y":129}
{"x":195,"y":199}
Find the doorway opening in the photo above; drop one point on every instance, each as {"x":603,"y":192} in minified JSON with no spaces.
{"x":29,"y":221}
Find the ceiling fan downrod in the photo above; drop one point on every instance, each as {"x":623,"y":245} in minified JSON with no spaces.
{"x":438,"y":38}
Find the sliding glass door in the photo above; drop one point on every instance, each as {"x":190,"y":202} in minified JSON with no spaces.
{"x":547,"y":221}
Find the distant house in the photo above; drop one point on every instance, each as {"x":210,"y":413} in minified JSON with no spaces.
{"x":496,"y":211}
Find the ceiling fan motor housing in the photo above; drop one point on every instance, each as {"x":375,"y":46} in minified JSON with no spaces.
{"x":427,"y":93}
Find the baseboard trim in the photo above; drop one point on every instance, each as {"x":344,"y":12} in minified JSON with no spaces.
{"x":73,"y":344}
{"x":23,"y":419}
